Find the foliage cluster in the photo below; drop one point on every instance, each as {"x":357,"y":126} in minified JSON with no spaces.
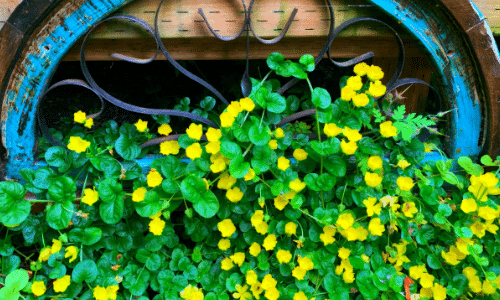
{"x":344,"y":207}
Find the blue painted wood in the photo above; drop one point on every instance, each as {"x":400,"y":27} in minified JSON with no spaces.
{"x":466,"y":118}
{"x":18,"y":125}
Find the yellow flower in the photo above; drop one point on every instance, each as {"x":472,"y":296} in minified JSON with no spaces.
{"x":462,"y":244}
{"x":377,"y":89}
{"x":332,"y":129}
{"x":438,"y":291}
{"x":90,"y":196}
{"x":428,"y":147}
{"x":305,"y":263}
{"x":226,"y":264}
{"x":169,"y":147}
{"x":417,"y":271}
{"x":77,"y":144}
{"x":100,"y":293}
{"x":327,"y":239}
{"x":371,"y":207}
{"x":269,"y":242}
{"x":226,"y":227}
{"x":224,"y":244}
{"x":300,"y":296}
{"x":387,"y":129}
{"x":213,"y":135}
{"x":38,"y":288}
{"x":361,"y":69}
{"x":79,"y":117}
{"x":409,"y":209}
{"x":61,"y":284}
{"x":226,"y":181}
{"x":89,"y":123}
{"x":488,"y":180}
{"x":469,"y":272}
{"x":234,"y":194}
{"x":375,"y":73}
{"x":352,"y":134}
{"x":141,"y":125}
{"x":154,"y":178}
{"x":290,"y":228}
{"x":488,"y":288}
{"x":298,"y":273}
{"x":283,"y":163}
{"x":360,"y":100}
{"x":218,"y":165}
{"x":297,"y":185}
{"x":71,"y":252}
{"x":426,"y":292}
{"x":478,"y":229}
{"x":268,"y":282}
{"x":234,"y":108}
{"x":44,"y":254}
{"x":475,"y":284}
{"x":355,"y":82}
{"x":273,"y":144}
{"x":280,"y":202}
{"x":348,"y":276}
{"x":300,"y":154}
{"x":257,"y":218}
{"x":139,"y":194}
{"x":164,"y":129}
{"x":375,"y":227}
{"x":329,"y":230}
{"x":426,"y":280}
{"x":257,"y":289}
{"x":56,"y":246}
{"x":195,"y":131}
{"x":226,"y":119}
{"x":346,"y":93}
{"x":112,"y":291}
{"x":348,"y":148}
{"x":344,"y":253}
{"x":238,"y":258}
{"x":156,"y":226}
{"x":251,"y":277}
{"x":283,"y":256}
{"x":262,"y":228}
{"x":242,"y":292}
{"x":403,"y":164}
{"x":250,"y":175}
{"x":375,"y":162}
{"x":345,"y":221}
{"x":254,"y":249}
{"x":194,"y":151}
{"x":272,"y":294}
{"x":279,"y":133}
{"x":405,"y":183}
{"x":468,"y":205}
{"x":487,"y":213}
{"x":373,"y":179}
{"x":247,"y":104}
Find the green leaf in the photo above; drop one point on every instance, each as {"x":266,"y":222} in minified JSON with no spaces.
{"x":192,"y":187}
{"x":238,"y":167}
{"x":308,"y":61}
{"x":440,"y":219}
{"x":365,"y":284}
{"x":470,"y":167}
{"x":230,"y":149}
{"x":127,"y":147}
{"x":61,"y":189}
{"x":310,"y":180}
{"x":43,"y":177}
{"x":208,"y":103}
{"x":10,"y":263}
{"x":326,"y":181}
{"x":9,"y":293}
{"x":276,"y":103}
{"x":87,"y":236}
{"x":111,"y":212}
{"x":433,"y":262}
{"x":335,"y":165}
{"x":151,"y":204}
{"x":110,"y":190}
{"x":368,"y":146}
{"x":274,"y":60}
{"x":321,"y":98}
{"x":445,"y":209}
{"x":85,"y":271}
{"x":208,"y":205}
{"x":487,"y":161}
{"x":259,"y":135}
{"x":425,"y":233}
{"x":59,"y":214}
{"x":17,"y":279}
{"x":56,"y":156}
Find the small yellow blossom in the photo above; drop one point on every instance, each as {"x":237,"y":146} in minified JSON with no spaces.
{"x":279,"y":133}
{"x":234,"y":194}
{"x":373,"y":179}
{"x":283,"y":256}
{"x":247,"y":104}
{"x":375,"y":73}
{"x":405,"y":183}
{"x":226,"y":119}
{"x":268,"y":282}
{"x":254,"y":249}
{"x":375,"y":227}
{"x":361,"y":69}
{"x":44,"y":254}
{"x":61,"y":284}
{"x":224,"y":244}
{"x":251,"y":277}
{"x":345,"y":221}
{"x":90,"y":196}
{"x":344,"y":253}
{"x":297,"y":185}
{"x":71,"y":252}
{"x":226,"y":264}
{"x":375,"y":162}
{"x":79,"y":117}
{"x":269,"y":242}
{"x":226,"y":227}
{"x":283,"y":163}
{"x":56,"y":246}
{"x":346,"y":93}
{"x":273,"y":144}
{"x":154,"y":178}
{"x":238,"y":258}
{"x":170,"y":147}
{"x":139,"y":194}
{"x":352,"y":134}
{"x":305,"y":263}
{"x":355,"y":82}
{"x":78,"y":144}
{"x":388,"y":130}
{"x":156,"y":226}
{"x":409,"y":209}
{"x":371,"y":207}
{"x":348,"y":148}
{"x":194,"y":151}
{"x":360,"y":100}
{"x":332,"y":129}
{"x":195,"y":131}
{"x":250,"y":175}
{"x":403,"y":164}
{"x":300,"y":154}
{"x":164,"y":129}
{"x":299,"y":273}
{"x":89,"y":123}
{"x":226,"y":181}
{"x":377,"y":89}
{"x":234,"y":108}
{"x":38,"y":288}
{"x":290,"y":228}
{"x":141,"y":125}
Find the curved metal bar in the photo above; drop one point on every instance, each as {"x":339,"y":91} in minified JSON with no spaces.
{"x":282,"y":33}
{"x":221,"y":37}
{"x":177,"y":65}
{"x":124,"y":105}
{"x":296,"y":116}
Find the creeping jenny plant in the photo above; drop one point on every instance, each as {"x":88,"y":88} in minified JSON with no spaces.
{"x":336,"y":207}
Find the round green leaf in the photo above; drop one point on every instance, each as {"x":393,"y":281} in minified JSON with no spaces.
{"x":127,"y":147}
{"x":110,"y":190}
{"x":85,"y":271}
{"x":61,"y":189}
{"x":55,"y":156}
{"x":150,"y":205}
{"x":321,"y":98}
{"x":111,"y":212}
{"x":59,"y":215}
{"x":208,"y":205}
{"x":17,"y":279}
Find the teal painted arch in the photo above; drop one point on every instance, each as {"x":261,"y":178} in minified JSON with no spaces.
{"x":23,"y":93}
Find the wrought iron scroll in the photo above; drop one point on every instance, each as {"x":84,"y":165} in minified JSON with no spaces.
{"x":246,"y":86}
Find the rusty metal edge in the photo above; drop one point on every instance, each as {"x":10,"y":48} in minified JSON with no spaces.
{"x":486,"y":52}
